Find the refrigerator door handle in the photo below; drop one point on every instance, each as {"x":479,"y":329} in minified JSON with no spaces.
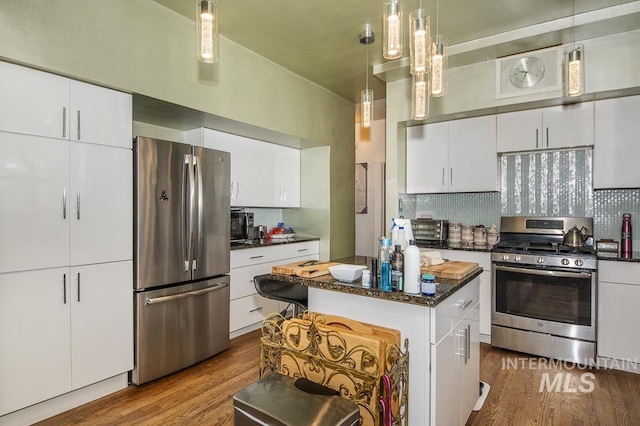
{"x":199,"y":200}
{"x":187,"y":210}
{"x":164,"y":299}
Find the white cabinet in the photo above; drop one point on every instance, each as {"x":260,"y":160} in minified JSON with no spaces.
{"x":617,"y":143}
{"x":555,"y":127}
{"x":618,"y":314}
{"x":69,"y":203}
{"x":35,"y":343}
{"x":455,"y":357}
{"x":262,"y":174}
{"x":62,"y":329}
{"x":454,"y":156}
{"x":483,"y":259}
{"x":43,"y":104}
{"x":247,"y":307}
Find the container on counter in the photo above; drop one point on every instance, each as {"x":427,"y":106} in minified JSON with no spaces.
{"x":480,"y":236}
{"x":626,"y":237}
{"x":412,"y":269}
{"x":397,"y":269}
{"x":384,"y":263}
{"x":428,"y":285}
{"x":455,"y":232}
{"x":466,"y":234}
{"x":366,"y":278}
{"x":493,"y":236}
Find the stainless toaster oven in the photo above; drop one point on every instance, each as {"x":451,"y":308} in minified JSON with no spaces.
{"x":430,"y":231}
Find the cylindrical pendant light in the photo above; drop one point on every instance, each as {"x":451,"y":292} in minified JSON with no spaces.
{"x":419,"y":41}
{"x":392,"y":29}
{"x":207,"y":31}
{"x":366,"y":96}
{"x":420,"y":97}
{"x":575,"y":71}
{"x":439,"y":46}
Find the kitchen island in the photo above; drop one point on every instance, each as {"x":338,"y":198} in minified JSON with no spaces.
{"x":442,"y":331}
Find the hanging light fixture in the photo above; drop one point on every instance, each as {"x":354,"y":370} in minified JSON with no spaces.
{"x":420,"y":97}
{"x":207,"y":31}
{"x":439,"y":46}
{"x":366,"y":96}
{"x":419,"y":41}
{"x":392,"y":29}
{"x":575,"y":64}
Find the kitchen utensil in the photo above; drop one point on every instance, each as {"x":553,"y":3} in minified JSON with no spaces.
{"x":302,"y":269}
{"x":575,"y":237}
{"x":347,"y":273}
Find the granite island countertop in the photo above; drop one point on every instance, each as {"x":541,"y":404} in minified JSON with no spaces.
{"x":444,"y":289}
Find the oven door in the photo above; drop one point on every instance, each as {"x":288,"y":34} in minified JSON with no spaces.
{"x":555,"y":302}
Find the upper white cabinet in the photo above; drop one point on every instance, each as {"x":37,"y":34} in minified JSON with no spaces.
{"x":617,"y":143}
{"x":262,"y":174}
{"x":454,"y":156}
{"x":555,"y":127}
{"x":43,"y":104}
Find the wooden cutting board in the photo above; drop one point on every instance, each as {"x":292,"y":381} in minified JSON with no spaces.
{"x":452,"y":269}
{"x":305,"y":269}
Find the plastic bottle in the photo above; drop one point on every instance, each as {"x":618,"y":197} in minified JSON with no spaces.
{"x":397,"y":269}
{"x":366,"y":278}
{"x":384,"y":261}
{"x":626,"y":237}
{"x":412,"y":269}
{"x":401,"y":239}
{"x":428,"y":285}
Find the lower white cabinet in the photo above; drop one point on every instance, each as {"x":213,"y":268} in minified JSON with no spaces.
{"x":58,"y":334}
{"x":483,"y":259}
{"x":618,"y":313}
{"x":455,"y":382}
{"x":247,"y":307}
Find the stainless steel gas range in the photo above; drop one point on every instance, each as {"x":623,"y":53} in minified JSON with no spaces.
{"x":544,"y":292}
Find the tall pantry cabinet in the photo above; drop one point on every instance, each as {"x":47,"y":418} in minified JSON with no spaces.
{"x":66,"y":258}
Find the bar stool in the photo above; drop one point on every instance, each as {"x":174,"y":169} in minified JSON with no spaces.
{"x":284,"y":291}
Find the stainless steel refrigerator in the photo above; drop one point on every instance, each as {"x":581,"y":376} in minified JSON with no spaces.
{"x":181,"y":256}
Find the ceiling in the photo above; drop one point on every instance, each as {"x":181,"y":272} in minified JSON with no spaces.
{"x":319,"y":40}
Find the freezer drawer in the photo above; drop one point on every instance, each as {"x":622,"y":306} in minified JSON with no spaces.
{"x":179,"y":326}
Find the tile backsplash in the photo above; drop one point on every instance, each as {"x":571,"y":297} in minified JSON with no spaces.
{"x":549,"y":183}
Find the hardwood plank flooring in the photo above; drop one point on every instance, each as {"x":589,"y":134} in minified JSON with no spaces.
{"x":202,"y":394}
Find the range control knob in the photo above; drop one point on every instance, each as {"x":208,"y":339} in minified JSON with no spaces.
{"x":579,"y":262}
{"x":540,"y":259}
{"x":518,"y":258}
{"x":505,"y":257}
{"x":565,"y":262}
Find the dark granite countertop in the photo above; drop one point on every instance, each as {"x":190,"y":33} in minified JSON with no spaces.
{"x":444,"y":289}
{"x":271,"y":242}
{"x":635,"y":257}
{"x":464,"y":247}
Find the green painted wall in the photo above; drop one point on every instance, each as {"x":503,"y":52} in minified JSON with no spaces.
{"x":141,"y":47}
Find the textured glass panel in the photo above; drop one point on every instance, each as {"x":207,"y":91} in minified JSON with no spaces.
{"x":609,"y":207}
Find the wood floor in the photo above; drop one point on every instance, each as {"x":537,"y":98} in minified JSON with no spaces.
{"x":201,"y":395}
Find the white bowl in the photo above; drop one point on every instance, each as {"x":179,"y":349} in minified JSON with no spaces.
{"x":347,"y":273}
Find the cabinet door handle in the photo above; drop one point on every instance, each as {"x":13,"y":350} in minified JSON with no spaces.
{"x":256,"y":257}
{"x":451,"y":176}
{"x":462,"y":304}
{"x":231,"y":190}
{"x":238,"y":190}
{"x":299,"y":250}
{"x":547,"y":137}
{"x":78,"y":286}
{"x":64,"y":122}
{"x":468,"y":343}
{"x":256,"y":309}
{"x":462,"y":347}
{"x":64,"y":204}
{"x":78,"y":124}
{"x":536,"y":138}
{"x":64,"y":288}
{"x":78,"y":205}
{"x":443,"y":176}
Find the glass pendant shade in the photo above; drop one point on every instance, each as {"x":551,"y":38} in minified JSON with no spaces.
{"x":439,"y":46}
{"x":575,"y":71}
{"x":420,"y":97}
{"x":419,"y":41}
{"x":392,"y":30}
{"x":207,"y":31}
{"x":366,"y":107}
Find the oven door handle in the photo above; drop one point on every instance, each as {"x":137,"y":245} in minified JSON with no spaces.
{"x":544,"y":272}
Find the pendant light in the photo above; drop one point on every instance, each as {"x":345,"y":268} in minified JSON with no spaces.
{"x":392,"y":29}
{"x":575,"y":65}
{"x":419,"y":41}
{"x":439,"y":46}
{"x":207,"y":31}
{"x":420,"y":96}
{"x":366,"y":96}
